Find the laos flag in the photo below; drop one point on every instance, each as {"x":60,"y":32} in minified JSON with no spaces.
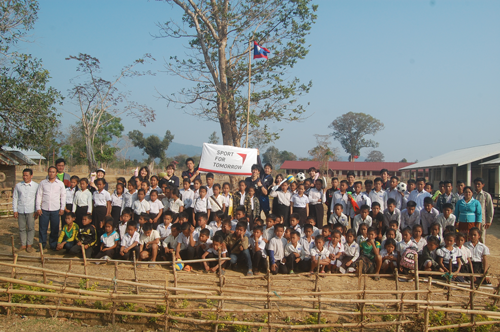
{"x":259,"y":52}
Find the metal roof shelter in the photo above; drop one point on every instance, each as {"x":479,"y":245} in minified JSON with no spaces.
{"x":339,"y":168}
{"x":31,"y":154}
{"x":464,"y":164}
{"x":494,"y":162}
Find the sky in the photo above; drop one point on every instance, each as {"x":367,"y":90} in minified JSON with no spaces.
{"x":429,"y":70}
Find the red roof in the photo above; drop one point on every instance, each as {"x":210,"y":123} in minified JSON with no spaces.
{"x":346,"y":166}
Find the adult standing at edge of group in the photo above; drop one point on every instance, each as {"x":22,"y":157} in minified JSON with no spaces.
{"x":23,"y":205}
{"x":170,"y":179}
{"x":468,"y":212}
{"x":255,"y":181}
{"x":386,"y":181}
{"x":486,"y":202}
{"x":192,"y":173}
{"x":50,"y":204}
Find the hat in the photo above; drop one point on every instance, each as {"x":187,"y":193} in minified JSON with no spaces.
{"x":101,"y":170}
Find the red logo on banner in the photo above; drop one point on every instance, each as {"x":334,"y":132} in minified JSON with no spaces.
{"x":244,"y":156}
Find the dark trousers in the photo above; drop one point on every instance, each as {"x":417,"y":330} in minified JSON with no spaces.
{"x":259,"y":262}
{"x":243,"y":256}
{"x":98,"y":215}
{"x":317,"y":211}
{"x":154,"y":224}
{"x":187,"y":254}
{"x":214,"y":263}
{"x":290,"y":263}
{"x":189,"y":212}
{"x":302,"y":215}
{"x":115,"y":213}
{"x":282,"y":211}
{"x":69,"y":245}
{"x":282,"y":269}
{"x":110,"y":253}
{"x":128,"y":256}
{"x":80,"y":212}
{"x":77,"y":251}
{"x":49,"y":218}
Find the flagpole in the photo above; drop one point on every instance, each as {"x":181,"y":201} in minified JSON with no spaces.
{"x":249,"y":82}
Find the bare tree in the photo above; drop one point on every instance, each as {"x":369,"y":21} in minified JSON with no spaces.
{"x":219,"y":32}
{"x":375,"y":156}
{"x":323,"y":152}
{"x":96,"y":96}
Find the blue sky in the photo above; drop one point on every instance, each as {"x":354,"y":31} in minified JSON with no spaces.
{"x":430,"y":70}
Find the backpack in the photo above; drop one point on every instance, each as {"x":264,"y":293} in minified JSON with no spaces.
{"x":408,"y":258}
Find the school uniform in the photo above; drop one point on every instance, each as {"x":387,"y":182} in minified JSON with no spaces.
{"x":379,"y":197}
{"x":108,"y":241}
{"x":268,"y":234}
{"x":408,"y":220}
{"x":101,"y":200}
{"x":164,"y":231}
{"x":384,"y":253}
{"x":186,"y":250}
{"x":427,"y":219}
{"x":358,"y":221}
{"x":166,"y":203}
{"x":82,"y":205}
{"x":398,"y":238}
{"x":70,"y":196}
{"x":228,"y":202}
{"x":175,"y":205}
{"x":201,"y":205}
{"x":299,"y":206}
{"x":128,"y":200}
{"x":360,"y":239}
{"x":335,"y":249}
{"x":342,"y":199}
{"x":298,"y":229}
{"x":335,"y":219}
{"x":307,"y":246}
{"x":451,"y":256}
{"x":187,"y":197}
{"x":320,"y":254}
{"x":418,"y":197}
{"x":158,"y":189}
{"x":395,"y":195}
{"x":116,"y":207}
{"x":420,"y":244}
{"x":122,"y":229}
{"x":127,"y":241}
{"x":212,"y":253}
{"x":281,"y":204}
{"x":477,"y":252}
{"x":276,"y":250}
{"x":401,"y":246}
{"x":259,"y":260}
{"x":144,"y":240}
{"x":443,"y":222}
{"x":360,"y":199}
{"x":140,"y":207}
{"x":290,"y":257}
{"x":170,"y":242}
{"x":155,"y":209}
{"x":390,"y":216}
{"x":316,"y":200}
{"x":351,"y":253}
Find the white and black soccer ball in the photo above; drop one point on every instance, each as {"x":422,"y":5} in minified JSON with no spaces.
{"x":300,"y":177}
{"x":401,"y":187}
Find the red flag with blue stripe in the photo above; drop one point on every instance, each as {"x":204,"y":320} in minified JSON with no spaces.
{"x":259,"y":51}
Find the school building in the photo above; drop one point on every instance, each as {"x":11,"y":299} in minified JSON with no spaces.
{"x":464,"y":165}
{"x":361,"y":169}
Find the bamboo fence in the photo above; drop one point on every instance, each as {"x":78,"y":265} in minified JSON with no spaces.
{"x":238,"y":296}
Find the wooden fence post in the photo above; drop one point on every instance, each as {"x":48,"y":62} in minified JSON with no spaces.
{"x":268,"y":295}
{"x":135,"y":272}
{"x":429,"y":286}
{"x":43,"y":263}
{"x":174,"y":264}
{"x":64,"y":287}
{"x":417,"y":283}
{"x":85,"y":265}
{"x":220,"y":302}
{"x":167,"y":304}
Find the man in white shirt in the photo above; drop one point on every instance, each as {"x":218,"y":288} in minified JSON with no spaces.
{"x":23,"y":205}
{"x":419,"y":194}
{"x":50,"y":204}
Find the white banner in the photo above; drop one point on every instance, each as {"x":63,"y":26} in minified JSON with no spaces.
{"x":225,"y":159}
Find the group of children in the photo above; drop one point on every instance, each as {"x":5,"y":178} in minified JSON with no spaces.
{"x":387,"y":228}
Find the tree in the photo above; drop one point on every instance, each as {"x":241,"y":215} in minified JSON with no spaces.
{"x":75,"y":149}
{"x":49,"y":145}
{"x":96,"y":96}
{"x":272,"y":156}
{"x":323,"y":152}
{"x":375,"y":156}
{"x":213,"y":139}
{"x":219,"y":33}
{"x":285,"y":155}
{"x":27,"y":103}
{"x":351,"y":128}
{"x":403,"y":160}
{"x":153,"y":147}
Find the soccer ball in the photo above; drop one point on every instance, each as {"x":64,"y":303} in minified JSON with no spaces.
{"x":401,"y":187}
{"x":179,"y":266}
{"x":301,"y":177}
{"x":290,"y":178}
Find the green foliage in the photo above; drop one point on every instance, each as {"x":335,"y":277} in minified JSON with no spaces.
{"x":351,"y":128}
{"x":213,"y":139}
{"x":153,"y":147}
{"x":25,"y":298}
{"x":27,"y":103}
{"x":75,"y":149}
{"x":276,"y":157}
{"x":313,"y":319}
{"x":218,"y":63}
{"x":375,"y":156}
